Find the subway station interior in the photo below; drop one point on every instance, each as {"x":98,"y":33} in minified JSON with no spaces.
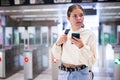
{"x":29,"y":28}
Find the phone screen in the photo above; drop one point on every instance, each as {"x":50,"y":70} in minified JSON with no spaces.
{"x":77,"y":35}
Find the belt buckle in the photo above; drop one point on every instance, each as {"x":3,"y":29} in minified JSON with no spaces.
{"x":84,"y":66}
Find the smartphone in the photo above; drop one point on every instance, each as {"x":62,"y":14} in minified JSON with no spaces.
{"x":77,"y":35}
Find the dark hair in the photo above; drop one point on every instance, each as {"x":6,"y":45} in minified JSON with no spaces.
{"x":72,"y":7}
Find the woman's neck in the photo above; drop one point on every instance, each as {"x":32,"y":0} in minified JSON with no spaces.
{"x":75,"y":28}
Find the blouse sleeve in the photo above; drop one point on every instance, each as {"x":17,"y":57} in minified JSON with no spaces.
{"x":56,"y":51}
{"x":89,"y":50}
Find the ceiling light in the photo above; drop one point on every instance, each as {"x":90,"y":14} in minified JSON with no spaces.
{"x":37,"y":19}
{"x":105,"y":14}
{"x":109,"y":7}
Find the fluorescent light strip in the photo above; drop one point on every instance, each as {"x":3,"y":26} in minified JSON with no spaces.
{"x":110,"y":17}
{"x":18,"y":16}
{"x":44,"y":9}
{"x":105,"y":14}
{"x":36,"y":10}
{"x":31,"y":10}
{"x":36,"y":19}
{"x":110,"y":7}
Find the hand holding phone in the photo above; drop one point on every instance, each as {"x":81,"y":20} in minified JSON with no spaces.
{"x":77,"y":35}
{"x":76,"y":40}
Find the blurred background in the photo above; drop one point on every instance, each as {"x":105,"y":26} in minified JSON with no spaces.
{"x":29,"y":28}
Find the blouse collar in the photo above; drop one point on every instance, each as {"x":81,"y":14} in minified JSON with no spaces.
{"x":79,"y":30}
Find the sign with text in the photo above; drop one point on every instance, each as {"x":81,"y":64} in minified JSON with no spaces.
{"x":61,"y":1}
{"x":29,"y":2}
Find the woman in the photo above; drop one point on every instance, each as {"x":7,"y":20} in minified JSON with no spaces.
{"x":76,"y":54}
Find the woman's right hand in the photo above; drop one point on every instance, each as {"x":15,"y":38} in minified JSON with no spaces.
{"x":61,"y":40}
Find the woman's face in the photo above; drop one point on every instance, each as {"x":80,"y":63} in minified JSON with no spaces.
{"x":76,"y":18}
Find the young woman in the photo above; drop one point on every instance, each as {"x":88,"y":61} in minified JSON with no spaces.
{"x":76,"y":54}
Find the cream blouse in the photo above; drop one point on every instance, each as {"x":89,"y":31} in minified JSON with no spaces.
{"x":71,"y":54}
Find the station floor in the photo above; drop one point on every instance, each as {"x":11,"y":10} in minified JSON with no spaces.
{"x":47,"y":75}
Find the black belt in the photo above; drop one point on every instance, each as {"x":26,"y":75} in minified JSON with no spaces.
{"x":71,"y":69}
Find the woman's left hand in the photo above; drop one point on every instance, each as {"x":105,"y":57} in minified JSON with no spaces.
{"x":78,"y":42}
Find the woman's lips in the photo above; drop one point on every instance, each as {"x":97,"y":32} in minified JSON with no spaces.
{"x":78,"y":22}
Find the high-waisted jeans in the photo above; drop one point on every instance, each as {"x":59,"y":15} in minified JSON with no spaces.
{"x":75,"y":75}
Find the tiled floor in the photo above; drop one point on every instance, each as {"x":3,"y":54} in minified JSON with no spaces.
{"x":45,"y":75}
{"x":17,"y":76}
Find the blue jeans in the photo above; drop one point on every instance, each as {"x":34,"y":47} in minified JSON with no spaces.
{"x":75,"y":75}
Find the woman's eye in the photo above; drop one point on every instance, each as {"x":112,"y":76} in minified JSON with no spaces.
{"x":81,"y":15}
{"x":76,"y":16}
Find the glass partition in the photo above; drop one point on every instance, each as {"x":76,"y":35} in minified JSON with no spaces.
{"x":44,"y":35}
{"x":1,"y":37}
{"x":31,"y":32}
{"x":54,"y":34}
{"x":8,"y":35}
{"x":21,"y":30}
{"x":16,"y":36}
{"x":38,"y":38}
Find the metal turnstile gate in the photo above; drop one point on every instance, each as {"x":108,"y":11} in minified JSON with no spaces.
{"x":2,"y":63}
{"x":28,"y":68}
{"x":117,"y":63}
{"x":32,"y":64}
{"x":9,"y":61}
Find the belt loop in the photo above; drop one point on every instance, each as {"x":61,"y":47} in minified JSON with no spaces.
{"x":66,"y":69}
{"x":76,"y":68}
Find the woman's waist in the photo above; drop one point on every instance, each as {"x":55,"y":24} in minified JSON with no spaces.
{"x":71,"y":65}
{"x":71,"y":62}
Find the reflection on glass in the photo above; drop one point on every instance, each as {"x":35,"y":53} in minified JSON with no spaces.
{"x":31,"y":32}
{"x":8,"y":36}
{"x":21,"y":34}
{"x":16,"y":36}
{"x":1,"y":37}
{"x":44,"y":35}
{"x":37,"y":35}
{"x":54,"y":34}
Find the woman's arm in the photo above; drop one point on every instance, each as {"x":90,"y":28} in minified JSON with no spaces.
{"x":57,"y":47}
{"x":89,"y":50}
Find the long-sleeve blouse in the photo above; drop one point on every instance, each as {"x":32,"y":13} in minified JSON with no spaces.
{"x":71,"y":54}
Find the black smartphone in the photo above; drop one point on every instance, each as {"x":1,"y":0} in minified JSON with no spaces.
{"x":77,"y":35}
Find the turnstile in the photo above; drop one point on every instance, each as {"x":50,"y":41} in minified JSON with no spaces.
{"x":117,"y":63}
{"x":35,"y":61}
{"x":9,"y":61}
{"x":32,"y":64}
{"x":2,"y":63}
{"x":28,"y":68}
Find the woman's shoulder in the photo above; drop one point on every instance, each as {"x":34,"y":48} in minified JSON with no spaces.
{"x":87,"y":31}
